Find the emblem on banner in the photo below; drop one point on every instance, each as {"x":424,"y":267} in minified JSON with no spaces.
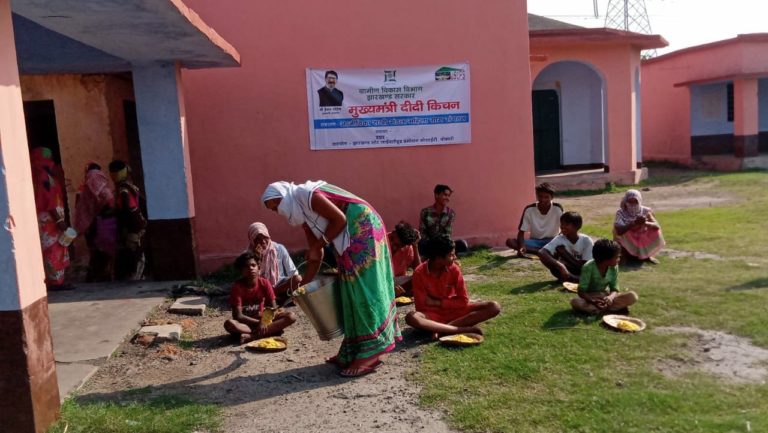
{"x":390,"y":76}
{"x":446,"y":73}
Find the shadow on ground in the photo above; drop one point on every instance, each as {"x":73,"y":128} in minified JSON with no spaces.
{"x":534,"y":287}
{"x":759,"y":283}
{"x":235,"y":390}
{"x":565,"y":319}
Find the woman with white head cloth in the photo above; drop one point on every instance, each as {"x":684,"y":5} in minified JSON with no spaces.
{"x":330,"y":215}
{"x":276,"y":264}
{"x":636,"y":230}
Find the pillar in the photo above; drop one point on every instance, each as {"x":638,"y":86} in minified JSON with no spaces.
{"x":29,"y":394}
{"x":745,"y":117}
{"x":621,"y":120}
{"x":171,"y":247}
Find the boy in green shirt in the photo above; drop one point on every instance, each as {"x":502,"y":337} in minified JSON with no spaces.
{"x":598,"y":282}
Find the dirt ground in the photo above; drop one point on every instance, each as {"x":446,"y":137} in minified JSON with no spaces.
{"x":729,"y":357}
{"x":289,"y":391}
{"x":294,"y":390}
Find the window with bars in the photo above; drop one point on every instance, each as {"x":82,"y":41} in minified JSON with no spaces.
{"x":729,"y":91}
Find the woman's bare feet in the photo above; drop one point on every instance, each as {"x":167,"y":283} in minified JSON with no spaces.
{"x":335,"y":361}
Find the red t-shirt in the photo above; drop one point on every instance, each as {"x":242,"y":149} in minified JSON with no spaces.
{"x":401,"y":260}
{"x":250,"y":297}
{"x":447,"y":286}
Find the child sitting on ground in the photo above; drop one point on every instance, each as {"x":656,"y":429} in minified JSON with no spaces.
{"x":442,"y":302}
{"x":540,"y":219}
{"x":403,"y":241}
{"x":598,"y":285}
{"x":250,"y":294}
{"x":567,"y":252}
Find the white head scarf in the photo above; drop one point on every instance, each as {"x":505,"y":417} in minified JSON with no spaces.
{"x":295,"y":206}
{"x":628,"y":212}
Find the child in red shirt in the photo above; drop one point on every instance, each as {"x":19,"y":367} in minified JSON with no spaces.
{"x":250,"y":293}
{"x":442,"y":301}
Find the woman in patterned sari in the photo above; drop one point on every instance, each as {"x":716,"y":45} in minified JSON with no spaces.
{"x":331,"y":215}
{"x":49,"y":203}
{"x":636,"y":230}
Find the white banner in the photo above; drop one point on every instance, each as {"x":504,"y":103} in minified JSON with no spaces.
{"x":388,"y":107}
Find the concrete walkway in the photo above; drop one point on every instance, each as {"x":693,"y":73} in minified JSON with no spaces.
{"x":90,"y":322}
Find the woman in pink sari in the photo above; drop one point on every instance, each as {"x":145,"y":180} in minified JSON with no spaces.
{"x":636,"y":230}
{"x":49,"y":203}
{"x":95,"y":217}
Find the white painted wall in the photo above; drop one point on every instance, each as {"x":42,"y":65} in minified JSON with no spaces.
{"x":581,"y":110}
{"x":709,"y":110}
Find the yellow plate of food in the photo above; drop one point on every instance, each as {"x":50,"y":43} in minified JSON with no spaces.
{"x":269,"y":344}
{"x":571,"y":287}
{"x":623,"y":323}
{"x":403,"y":300}
{"x":462,"y":340}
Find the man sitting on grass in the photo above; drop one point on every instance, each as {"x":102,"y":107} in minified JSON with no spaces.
{"x":440,"y":295}
{"x":567,"y":252}
{"x":541,"y":220}
{"x":598,"y":284}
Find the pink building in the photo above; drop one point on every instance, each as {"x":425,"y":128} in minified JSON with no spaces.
{"x":248,"y":126}
{"x":586,"y":103}
{"x":133,"y":80}
{"x":708,"y":105}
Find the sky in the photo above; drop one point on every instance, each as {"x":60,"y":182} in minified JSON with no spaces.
{"x":683,"y":23}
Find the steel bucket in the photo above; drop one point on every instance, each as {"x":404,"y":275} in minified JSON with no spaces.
{"x":319,"y":301}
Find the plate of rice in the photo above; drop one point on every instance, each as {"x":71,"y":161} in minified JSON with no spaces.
{"x":570,"y":287}
{"x":403,"y":300}
{"x":623,"y":323}
{"x":461,"y":340}
{"x":269,"y":344}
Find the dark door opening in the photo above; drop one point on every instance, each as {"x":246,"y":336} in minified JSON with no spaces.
{"x":40,"y":121}
{"x":546,"y":130}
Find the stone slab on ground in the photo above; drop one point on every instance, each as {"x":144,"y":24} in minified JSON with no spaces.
{"x":72,"y":376}
{"x":190,"y":306}
{"x":162,"y":333}
{"x":91,"y":321}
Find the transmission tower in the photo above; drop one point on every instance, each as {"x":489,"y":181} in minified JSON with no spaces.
{"x":629,"y":15}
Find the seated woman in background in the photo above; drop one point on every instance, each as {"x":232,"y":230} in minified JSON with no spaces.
{"x":276,"y":264}
{"x":636,"y":230}
{"x":403,"y":245}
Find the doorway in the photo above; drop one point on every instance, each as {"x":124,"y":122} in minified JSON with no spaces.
{"x":546,"y":130}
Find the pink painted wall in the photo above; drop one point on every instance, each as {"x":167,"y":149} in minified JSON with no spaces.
{"x":745,"y":109}
{"x":22,"y":279}
{"x":248,"y":126}
{"x":666,"y":108}
{"x":616,"y":65}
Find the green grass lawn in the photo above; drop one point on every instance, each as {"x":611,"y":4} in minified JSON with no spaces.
{"x":543,"y":369}
{"x":165,"y":414}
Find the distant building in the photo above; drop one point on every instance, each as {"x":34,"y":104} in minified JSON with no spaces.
{"x":707,"y":106}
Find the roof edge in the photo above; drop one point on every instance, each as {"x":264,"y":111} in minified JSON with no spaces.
{"x":745,"y":38}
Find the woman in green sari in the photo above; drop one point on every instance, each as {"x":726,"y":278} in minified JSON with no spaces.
{"x":331,"y":215}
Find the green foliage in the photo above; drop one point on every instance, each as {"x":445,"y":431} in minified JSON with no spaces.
{"x":544,"y":369}
{"x":164,"y":414}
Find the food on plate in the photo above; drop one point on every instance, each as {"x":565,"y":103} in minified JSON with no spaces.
{"x":461,"y":338}
{"x":626,"y":325}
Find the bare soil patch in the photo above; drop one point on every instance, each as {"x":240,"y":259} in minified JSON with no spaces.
{"x":729,"y":357}
{"x":289,"y":391}
{"x":659,"y":198}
